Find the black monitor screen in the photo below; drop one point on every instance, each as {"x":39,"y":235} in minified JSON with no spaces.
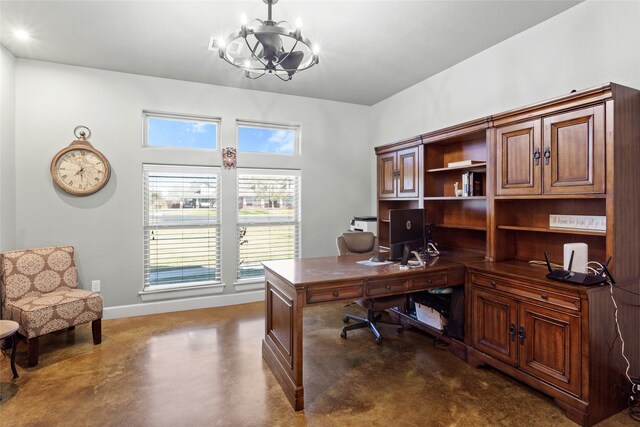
{"x":406,"y":226}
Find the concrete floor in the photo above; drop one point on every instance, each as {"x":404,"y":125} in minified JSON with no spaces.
{"x":204,"y":367}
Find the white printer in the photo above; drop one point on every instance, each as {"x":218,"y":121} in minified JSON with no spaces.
{"x":364,"y":223}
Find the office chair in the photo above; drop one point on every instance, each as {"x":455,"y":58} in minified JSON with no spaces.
{"x":366,"y":242}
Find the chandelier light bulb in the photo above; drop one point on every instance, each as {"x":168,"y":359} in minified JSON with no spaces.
{"x":298,"y":23}
{"x":316,"y":49}
{"x":243,"y":19}
{"x":247,"y":63}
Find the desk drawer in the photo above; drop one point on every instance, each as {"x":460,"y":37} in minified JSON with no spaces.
{"x":347,"y":292}
{"x":538,"y":294}
{"x":430,"y":281}
{"x":387,"y":287}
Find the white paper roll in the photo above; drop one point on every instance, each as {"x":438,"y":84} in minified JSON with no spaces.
{"x":580,"y":256}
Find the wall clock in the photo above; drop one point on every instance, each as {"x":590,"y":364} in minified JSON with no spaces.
{"x":80,"y":169}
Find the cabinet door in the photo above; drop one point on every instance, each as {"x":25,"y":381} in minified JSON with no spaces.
{"x":574,"y":152}
{"x":518,"y":159}
{"x":387,"y":175}
{"x":494,"y":325}
{"x":408,"y":172}
{"x":550,"y":349}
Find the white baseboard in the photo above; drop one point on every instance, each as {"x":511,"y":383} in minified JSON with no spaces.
{"x":156,"y":307}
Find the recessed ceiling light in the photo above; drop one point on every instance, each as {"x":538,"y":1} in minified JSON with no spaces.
{"x":21,"y":34}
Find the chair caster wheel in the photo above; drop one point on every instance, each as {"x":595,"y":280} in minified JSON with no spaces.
{"x":400,"y":330}
{"x":343,"y":335}
{"x":345,"y":319}
{"x":379,"y":340}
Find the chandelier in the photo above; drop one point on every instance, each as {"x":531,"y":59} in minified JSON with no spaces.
{"x":267,"y":47}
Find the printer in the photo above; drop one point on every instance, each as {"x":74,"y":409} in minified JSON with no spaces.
{"x":364,"y":223}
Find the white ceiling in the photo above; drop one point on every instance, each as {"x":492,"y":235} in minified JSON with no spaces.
{"x":370,"y":50}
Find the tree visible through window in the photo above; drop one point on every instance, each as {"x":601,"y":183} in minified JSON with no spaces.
{"x":181,"y":226}
{"x":268,"y":219}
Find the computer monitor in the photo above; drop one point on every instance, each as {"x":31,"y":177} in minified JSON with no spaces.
{"x":406,"y":227}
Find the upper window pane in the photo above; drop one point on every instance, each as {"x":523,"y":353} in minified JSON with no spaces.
{"x":266,"y":139}
{"x":177,"y":132}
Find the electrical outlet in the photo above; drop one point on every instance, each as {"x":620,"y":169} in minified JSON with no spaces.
{"x":95,"y":285}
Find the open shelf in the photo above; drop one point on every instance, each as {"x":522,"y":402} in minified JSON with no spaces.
{"x":479,"y":166}
{"x":553,"y":230}
{"x":457,"y":198}
{"x":460,"y":226}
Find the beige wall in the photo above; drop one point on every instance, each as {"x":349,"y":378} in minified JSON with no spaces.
{"x":7,"y":151}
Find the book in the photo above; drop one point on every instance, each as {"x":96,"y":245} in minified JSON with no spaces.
{"x":475,"y":184}
{"x":465,"y":184}
{"x":463,"y":163}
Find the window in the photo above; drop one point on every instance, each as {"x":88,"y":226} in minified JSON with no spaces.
{"x":272,"y":139}
{"x":181,"y":226}
{"x":174,"y":131}
{"x":268,"y":219}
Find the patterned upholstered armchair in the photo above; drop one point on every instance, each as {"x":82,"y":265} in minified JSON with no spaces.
{"x":40,"y":291}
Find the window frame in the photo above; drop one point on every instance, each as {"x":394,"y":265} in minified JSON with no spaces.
{"x":146,"y":114}
{"x":297,"y":146}
{"x":298,"y":223}
{"x":154,"y":292}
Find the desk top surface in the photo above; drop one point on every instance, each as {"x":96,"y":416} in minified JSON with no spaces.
{"x":305,"y":271}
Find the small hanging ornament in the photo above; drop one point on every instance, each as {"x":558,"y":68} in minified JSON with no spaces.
{"x":229,"y":158}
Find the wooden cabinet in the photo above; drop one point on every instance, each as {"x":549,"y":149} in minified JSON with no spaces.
{"x":567,"y":158}
{"x":573,"y":155}
{"x":519,"y":155}
{"x":494,"y":325}
{"x":398,"y":173}
{"x":550,"y":345}
{"x":537,"y":338}
{"x":574,"y":158}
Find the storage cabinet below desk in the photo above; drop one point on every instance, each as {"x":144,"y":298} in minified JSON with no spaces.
{"x":546,"y":334}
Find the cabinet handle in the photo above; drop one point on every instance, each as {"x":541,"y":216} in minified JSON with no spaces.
{"x":544,"y":296}
{"x":536,"y":156}
{"x":336,"y":294}
{"x":512,"y":332}
{"x":493,"y":283}
{"x":430,"y":281}
{"x":522,"y":334}
{"x":547,"y":155}
{"x":388,"y":286}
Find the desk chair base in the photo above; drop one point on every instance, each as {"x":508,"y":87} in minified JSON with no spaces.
{"x":370,"y":322}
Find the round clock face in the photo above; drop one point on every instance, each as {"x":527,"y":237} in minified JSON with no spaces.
{"x":80,"y":171}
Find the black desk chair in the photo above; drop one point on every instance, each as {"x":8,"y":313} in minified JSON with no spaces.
{"x":366,"y":242}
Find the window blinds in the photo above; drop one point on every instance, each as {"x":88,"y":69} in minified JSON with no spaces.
{"x":181,"y":226}
{"x":268,"y":219}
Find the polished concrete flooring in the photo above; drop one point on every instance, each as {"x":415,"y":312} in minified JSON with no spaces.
{"x":204,"y":368}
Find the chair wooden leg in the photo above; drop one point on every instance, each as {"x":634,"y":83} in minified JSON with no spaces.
{"x":32,"y":350}
{"x":96,"y":329}
{"x":14,"y":342}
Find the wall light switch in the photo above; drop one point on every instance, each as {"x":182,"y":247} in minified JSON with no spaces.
{"x":95,"y":285}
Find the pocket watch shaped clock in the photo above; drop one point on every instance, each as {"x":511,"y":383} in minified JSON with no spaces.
{"x":80,"y":169}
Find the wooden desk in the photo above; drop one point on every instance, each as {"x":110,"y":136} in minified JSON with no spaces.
{"x":293,"y":284}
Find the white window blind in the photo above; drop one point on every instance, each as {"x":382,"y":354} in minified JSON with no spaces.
{"x":268,"y":219}
{"x":181,"y":226}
